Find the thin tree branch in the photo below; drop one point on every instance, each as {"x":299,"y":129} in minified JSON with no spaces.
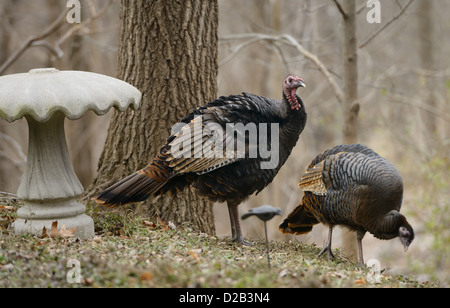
{"x":368,"y":40}
{"x":55,"y":50}
{"x":38,"y":40}
{"x":341,"y":9}
{"x":285,"y":39}
{"x":17,"y":163}
{"x":9,"y":196}
{"x":400,"y":99}
{"x":80,"y":26}
{"x":17,"y":148}
{"x":28,"y":43}
{"x":361,"y":8}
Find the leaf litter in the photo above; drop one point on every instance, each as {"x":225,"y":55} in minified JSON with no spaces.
{"x":160,"y":255}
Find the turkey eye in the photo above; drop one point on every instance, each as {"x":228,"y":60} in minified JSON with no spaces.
{"x":290,"y":80}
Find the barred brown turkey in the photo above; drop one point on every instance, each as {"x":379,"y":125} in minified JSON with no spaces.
{"x":353,"y":186}
{"x":189,"y":156}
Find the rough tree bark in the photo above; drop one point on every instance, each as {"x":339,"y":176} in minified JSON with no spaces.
{"x":350,"y":103}
{"x":168,"y":50}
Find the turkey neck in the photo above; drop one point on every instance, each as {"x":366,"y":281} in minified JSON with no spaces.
{"x":293,"y":123}
{"x":291,"y":127}
{"x":387,"y":228}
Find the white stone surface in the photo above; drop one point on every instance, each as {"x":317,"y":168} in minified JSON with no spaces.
{"x":49,"y":186}
{"x":41,"y":92}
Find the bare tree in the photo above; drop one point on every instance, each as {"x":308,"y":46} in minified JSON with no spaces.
{"x":350,"y":90}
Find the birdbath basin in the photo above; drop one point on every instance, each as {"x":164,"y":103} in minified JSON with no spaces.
{"x":45,"y":97}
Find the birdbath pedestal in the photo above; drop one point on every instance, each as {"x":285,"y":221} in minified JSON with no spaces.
{"x":45,"y":97}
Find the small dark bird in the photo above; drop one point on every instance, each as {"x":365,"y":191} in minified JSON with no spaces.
{"x":353,"y":186}
{"x":189,"y":156}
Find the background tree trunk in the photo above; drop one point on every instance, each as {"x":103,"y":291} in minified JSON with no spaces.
{"x":168,"y":50}
{"x":350,"y":104}
{"x":429,"y":133}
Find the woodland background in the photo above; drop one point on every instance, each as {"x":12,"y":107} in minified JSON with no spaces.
{"x":403,"y":86}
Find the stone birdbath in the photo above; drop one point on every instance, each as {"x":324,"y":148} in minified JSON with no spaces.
{"x":45,"y":97}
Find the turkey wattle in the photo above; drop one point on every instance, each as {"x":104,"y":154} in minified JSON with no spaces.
{"x":351,"y":185}
{"x":233,"y":175}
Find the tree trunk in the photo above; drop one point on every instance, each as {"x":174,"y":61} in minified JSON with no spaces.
{"x":350,"y":105}
{"x":168,"y":50}
{"x":429,"y":132}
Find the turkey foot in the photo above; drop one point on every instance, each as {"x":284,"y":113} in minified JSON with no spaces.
{"x":242,"y":241}
{"x":326,"y":249}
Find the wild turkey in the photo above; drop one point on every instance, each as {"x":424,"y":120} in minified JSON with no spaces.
{"x":351,"y":185}
{"x":234,"y":174}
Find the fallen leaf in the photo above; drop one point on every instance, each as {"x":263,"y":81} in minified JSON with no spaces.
{"x":54,"y":229}
{"x":164,"y":226}
{"x":172,"y":225}
{"x":360,"y":281}
{"x":6,"y":267}
{"x":194,"y":253}
{"x":283,"y":273}
{"x":44,"y":233}
{"x":87,"y":281}
{"x":97,"y":239}
{"x":54,"y":232}
{"x":7,"y":207}
{"x":149,"y":224}
{"x":40,"y":243}
{"x":146,"y":276}
{"x":63,"y":232}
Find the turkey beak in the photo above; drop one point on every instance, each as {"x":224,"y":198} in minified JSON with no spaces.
{"x":405,"y":243}
{"x":405,"y":237}
{"x":301,"y":84}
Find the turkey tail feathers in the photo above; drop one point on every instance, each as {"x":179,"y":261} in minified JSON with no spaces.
{"x":134,"y":188}
{"x":300,"y":221}
{"x":298,"y":230}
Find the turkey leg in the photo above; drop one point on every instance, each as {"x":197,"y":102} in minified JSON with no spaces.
{"x":359,"y":237}
{"x":327,"y":248}
{"x":236,"y":232}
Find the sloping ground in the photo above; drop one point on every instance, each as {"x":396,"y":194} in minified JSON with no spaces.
{"x":143,"y":254}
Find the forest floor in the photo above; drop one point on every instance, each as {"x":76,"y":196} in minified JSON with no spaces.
{"x":133,"y":252}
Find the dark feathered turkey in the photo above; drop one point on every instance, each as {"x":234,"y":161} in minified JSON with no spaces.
{"x":351,"y":185}
{"x":189,"y":156}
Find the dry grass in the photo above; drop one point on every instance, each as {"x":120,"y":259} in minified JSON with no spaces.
{"x":131,"y":252}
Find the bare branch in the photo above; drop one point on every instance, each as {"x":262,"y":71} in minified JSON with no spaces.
{"x":17,"y":148}
{"x":9,"y":196}
{"x":55,"y":50}
{"x":368,"y":40}
{"x":28,"y":43}
{"x":416,"y":103}
{"x":361,"y":8}
{"x":341,"y":9}
{"x":38,"y":40}
{"x":285,"y":39}
{"x":81,"y":26}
